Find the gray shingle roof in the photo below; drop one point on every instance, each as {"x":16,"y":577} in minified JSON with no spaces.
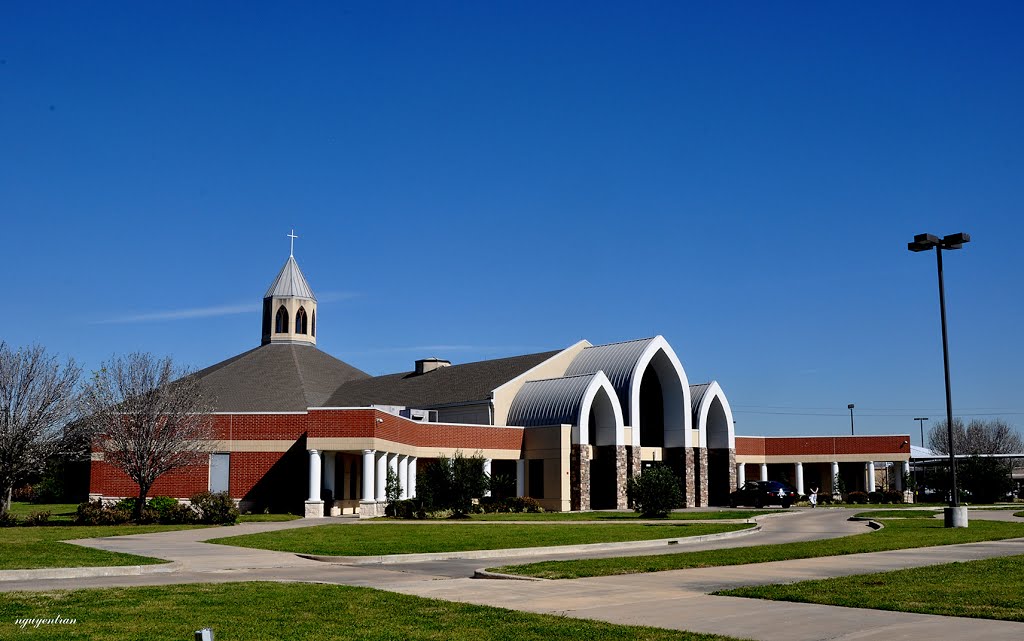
{"x":290,"y":283}
{"x":276,"y":377}
{"x":443,"y":386}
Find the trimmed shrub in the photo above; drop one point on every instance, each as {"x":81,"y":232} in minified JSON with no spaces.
{"x":857,"y":497}
{"x":407,"y":509}
{"x":23,"y":494}
{"x":894,"y":496}
{"x":656,"y":492}
{"x":876,"y":497}
{"x":215,"y":508}
{"x":95,"y":513}
{"x":37,"y":518}
{"x":510,"y":505}
{"x":161,"y":506}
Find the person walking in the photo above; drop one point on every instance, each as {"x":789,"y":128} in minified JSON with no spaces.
{"x":813,"y":497}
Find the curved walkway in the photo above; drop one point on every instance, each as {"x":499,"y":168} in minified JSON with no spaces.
{"x":675,"y":599}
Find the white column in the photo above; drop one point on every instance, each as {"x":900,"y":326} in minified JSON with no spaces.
{"x":904,"y":473}
{"x":403,"y":474}
{"x":835,"y":474}
{"x":382,"y":474}
{"x":393,"y":466}
{"x":314,"y":476}
{"x":521,"y":478}
{"x":329,"y":473}
{"x":368,"y":466}
{"x":487,"y":471}
{"x":764,"y":471}
{"x":799,"y":477}
{"x":869,"y":476}
{"x":741,"y":475}
{"x":412,"y":477}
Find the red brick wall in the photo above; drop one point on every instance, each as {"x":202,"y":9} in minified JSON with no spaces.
{"x":110,"y":481}
{"x":821,"y":445}
{"x":249,"y":468}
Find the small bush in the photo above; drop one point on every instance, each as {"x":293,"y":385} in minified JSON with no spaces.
{"x":8,"y":520}
{"x":876,"y":497}
{"x":161,"y":506}
{"x":49,"y":490}
{"x":37,"y":518}
{"x":215,"y":508}
{"x":23,"y":494}
{"x":407,"y":509}
{"x":656,"y":492}
{"x":857,"y":497}
{"x":127,"y":504}
{"x":95,"y":513}
{"x":510,"y":505}
{"x":894,"y":496}
{"x":824,"y":499}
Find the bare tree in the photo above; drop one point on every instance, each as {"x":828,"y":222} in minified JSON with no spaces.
{"x":37,"y":406}
{"x":994,"y":436}
{"x":149,"y":418}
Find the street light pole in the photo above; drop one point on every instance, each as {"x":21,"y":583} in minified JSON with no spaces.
{"x":850,"y":407}
{"x":920,"y":422}
{"x":955,"y":515}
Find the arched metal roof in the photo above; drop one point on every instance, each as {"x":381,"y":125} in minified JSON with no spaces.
{"x":552,"y":401}
{"x":617,"y":361}
{"x":290,"y":283}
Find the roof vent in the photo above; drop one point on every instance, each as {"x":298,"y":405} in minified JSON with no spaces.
{"x":425,"y":365}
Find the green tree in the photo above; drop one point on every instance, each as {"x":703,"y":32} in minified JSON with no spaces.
{"x":656,"y":492}
{"x":392,"y":486}
{"x":453,"y":483}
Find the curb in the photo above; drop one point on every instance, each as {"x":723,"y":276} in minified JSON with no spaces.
{"x":485,"y":574}
{"x":82,"y":573}
{"x":524,"y":552}
{"x":871,"y":523}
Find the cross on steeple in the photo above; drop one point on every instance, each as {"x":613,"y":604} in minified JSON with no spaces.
{"x":292,"y":235}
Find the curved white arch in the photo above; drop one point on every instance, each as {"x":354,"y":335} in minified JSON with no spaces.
{"x":678,"y":407}
{"x":705,"y":406}
{"x":625,"y":364}
{"x":568,"y":400}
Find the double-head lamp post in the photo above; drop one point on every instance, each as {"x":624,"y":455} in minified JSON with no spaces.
{"x":920,"y":422}
{"x":850,"y":407}
{"x":924,"y":242}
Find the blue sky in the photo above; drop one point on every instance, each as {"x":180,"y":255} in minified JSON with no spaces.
{"x":475,"y":180}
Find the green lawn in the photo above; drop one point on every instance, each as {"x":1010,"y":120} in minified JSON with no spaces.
{"x":988,"y":589}
{"x":896,"y":535}
{"x":40,"y":547}
{"x":366,"y":539}
{"x":1016,"y":513}
{"x":294,"y":611}
{"x":58,"y":511}
{"x":262,"y":518}
{"x":899,"y":514}
{"x":616,"y":516}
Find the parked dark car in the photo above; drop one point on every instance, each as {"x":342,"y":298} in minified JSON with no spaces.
{"x":761,"y":493}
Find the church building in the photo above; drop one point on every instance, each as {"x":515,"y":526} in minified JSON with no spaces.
{"x":296,"y":426}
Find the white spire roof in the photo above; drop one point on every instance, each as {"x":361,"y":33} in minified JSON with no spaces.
{"x":290,"y":283}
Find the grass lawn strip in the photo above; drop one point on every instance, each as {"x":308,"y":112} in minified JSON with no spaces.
{"x":899,"y":514}
{"x":26,"y":548}
{"x":365,"y":539}
{"x":985,"y":589}
{"x":896,"y":535}
{"x":58,"y":511}
{"x":272,"y":611}
{"x":621,"y":516}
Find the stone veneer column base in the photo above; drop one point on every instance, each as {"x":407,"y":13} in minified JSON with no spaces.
{"x":690,"y":480}
{"x":371,"y":509}
{"x":314,"y":509}
{"x":701,"y":475}
{"x":579,"y":478}
{"x":621,"y":474}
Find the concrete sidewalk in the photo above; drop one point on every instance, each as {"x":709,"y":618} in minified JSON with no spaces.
{"x":679,"y":599}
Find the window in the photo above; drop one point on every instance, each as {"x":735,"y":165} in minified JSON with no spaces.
{"x":281,"y":324}
{"x":536,"y":478}
{"x":313,"y":333}
{"x":300,"y":321}
{"x":220,"y":471}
